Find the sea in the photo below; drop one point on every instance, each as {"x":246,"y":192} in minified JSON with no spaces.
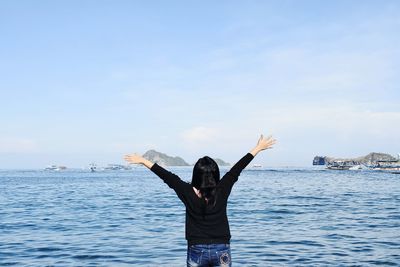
{"x":278,"y":217}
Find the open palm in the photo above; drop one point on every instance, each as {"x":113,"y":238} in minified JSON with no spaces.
{"x":134,"y":158}
{"x":265,"y":143}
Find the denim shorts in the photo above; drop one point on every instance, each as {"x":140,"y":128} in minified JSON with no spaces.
{"x":209,"y":255}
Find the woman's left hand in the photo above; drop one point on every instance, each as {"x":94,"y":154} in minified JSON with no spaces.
{"x":265,"y":143}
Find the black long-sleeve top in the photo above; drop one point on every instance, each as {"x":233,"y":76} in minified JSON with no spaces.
{"x":213,"y":227}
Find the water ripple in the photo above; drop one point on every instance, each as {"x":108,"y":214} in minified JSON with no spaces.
{"x":281,"y":217}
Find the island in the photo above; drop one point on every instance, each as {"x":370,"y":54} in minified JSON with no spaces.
{"x":220,"y":162}
{"x":371,"y":158}
{"x":166,"y":160}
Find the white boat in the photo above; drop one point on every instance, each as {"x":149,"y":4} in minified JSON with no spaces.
{"x":92,"y":167}
{"x":55,"y":168}
{"x":117,"y":167}
{"x":51,"y":168}
{"x":386,"y":165}
{"x":355,"y":168}
{"x":339,"y":165}
{"x":257,"y":166}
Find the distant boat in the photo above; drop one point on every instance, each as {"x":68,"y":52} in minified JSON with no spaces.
{"x":55,"y":168}
{"x":92,"y":167}
{"x":257,"y":166}
{"x":355,"y":167}
{"x":51,"y":168}
{"x":386,"y":165}
{"x":339,"y":165}
{"x":117,"y":167}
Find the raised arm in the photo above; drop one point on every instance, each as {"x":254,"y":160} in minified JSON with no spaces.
{"x":137,"y":159}
{"x":171,"y":179}
{"x":233,"y":174}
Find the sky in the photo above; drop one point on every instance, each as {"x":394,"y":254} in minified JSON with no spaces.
{"x":91,"y":81}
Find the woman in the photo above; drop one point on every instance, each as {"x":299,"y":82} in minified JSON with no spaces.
{"x":205,"y":198}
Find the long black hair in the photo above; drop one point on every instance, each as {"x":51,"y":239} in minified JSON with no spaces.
{"x":205,"y":179}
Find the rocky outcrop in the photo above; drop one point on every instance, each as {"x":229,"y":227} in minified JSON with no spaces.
{"x":220,"y":162}
{"x":164,"y":159}
{"x":372,"y":157}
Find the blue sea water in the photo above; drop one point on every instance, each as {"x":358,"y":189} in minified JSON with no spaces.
{"x":278,"y":217}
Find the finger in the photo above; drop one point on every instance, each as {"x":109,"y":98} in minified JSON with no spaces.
{"x":272,"y":142}
{"x":269,"y":143}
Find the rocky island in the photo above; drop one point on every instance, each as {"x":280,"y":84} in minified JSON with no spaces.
{"x":166,"y":160}
{"x":368,"y":159}
{"x":220,"y":162}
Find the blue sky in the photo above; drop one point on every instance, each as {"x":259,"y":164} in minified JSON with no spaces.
{"x":89,"y":81}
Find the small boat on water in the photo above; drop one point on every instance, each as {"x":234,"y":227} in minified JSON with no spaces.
{"x":356,"y":167}
{"x":55,"y":168}
{"x":257,"y":166}
{"x":92,"y":167}
{"x":117,"y":167}
{"x":392,"y":166}
{"x":51,"y":168}
{"x":387,"y":165}
{"x":341,"y":165}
